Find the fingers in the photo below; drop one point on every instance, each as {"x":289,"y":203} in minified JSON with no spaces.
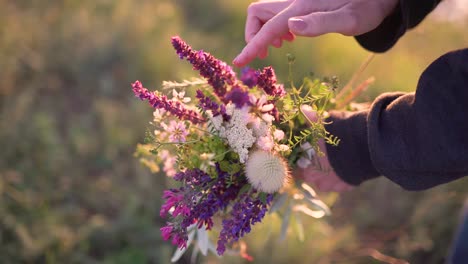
{"x":271,"y":30}
{"x":259,"y":13}
{"x":319,"y":23}
{"x":288,"y":37}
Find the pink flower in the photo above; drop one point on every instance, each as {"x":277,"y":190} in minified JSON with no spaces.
{"x":181,"y":209}
{"x":172,"y":199}
{"x":166,"y":232}
{"x":265,"y":143}
{"x":169,"y":162}
{"x":177,"y":131}
{"x":278,"y":134}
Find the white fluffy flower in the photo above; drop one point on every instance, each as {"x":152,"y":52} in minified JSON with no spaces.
{"x":266,"y":171}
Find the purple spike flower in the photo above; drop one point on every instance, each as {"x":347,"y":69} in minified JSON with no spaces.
{"x":249,"y":76}
{"x":245,"y":213}
{"x":176,"y":108}
{"x":219,"y":75}
{"x":194,"y":206}
{"x":207,"y":104}
{"x":267,"y":81}
{"x":238,"y":96}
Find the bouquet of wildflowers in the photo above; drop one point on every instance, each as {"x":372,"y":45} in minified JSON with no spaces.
{"x":232,"y":148}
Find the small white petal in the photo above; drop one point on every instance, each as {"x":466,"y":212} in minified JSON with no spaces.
{"x":267,"y":108}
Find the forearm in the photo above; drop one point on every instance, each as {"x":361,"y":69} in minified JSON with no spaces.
{"x":416,"y":140}
{"x":406,"y":15}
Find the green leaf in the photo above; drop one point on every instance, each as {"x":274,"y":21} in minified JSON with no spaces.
{"x":244,"y":189}
{"x":263,"y":196}
{"x":225,"y":166}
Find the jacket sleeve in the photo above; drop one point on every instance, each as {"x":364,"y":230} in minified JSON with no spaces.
{"x":417,"y":140}
{"x":407,"y":14}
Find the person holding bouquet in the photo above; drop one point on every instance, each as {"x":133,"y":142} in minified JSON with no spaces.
{"x":417,"y":140}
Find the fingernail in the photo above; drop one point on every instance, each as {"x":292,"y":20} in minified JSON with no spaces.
{"x":236,"y":60}
{"x":297,"y":24}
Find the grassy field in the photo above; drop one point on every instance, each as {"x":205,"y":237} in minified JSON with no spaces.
{"x":71,"y":190}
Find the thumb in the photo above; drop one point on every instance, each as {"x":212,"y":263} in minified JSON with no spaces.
{"x":320,"y":23}
{"x":310,"y":113}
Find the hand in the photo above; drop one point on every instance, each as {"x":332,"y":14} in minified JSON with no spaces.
{"x":271,"y":22}
{"x":321,"y":174}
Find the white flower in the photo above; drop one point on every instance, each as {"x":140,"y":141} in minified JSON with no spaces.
{"x":158,"y":115}
{"x":268,"y":118}
{"x":282,"y":148}
{"x":266,"y":171}
{"x":240,"y":138}
{"x":260,"y":128}
{"x":207,"y":160}
{"x":179,"y":96}
{"x":267,"y":108}
{"x":216,"y":122}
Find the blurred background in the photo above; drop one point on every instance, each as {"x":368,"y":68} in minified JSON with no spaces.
{"x":71,"y":190}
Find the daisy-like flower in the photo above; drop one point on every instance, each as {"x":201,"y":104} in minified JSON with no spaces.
{"x":266,"y":171}
{"x":176,"y":130}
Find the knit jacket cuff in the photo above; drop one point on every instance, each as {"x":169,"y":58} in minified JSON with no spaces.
{"x":388,"y":32}
{"x":350,"y":159}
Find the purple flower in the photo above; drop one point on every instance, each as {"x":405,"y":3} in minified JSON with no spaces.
{"x":238,"y":96}
{"x":179,"y":236}
{"x":219,"y":75}
{"x":198,"y":200}
{"x":249,"y":76}
{"x":246,"y":212}
{"x":206,"y":103}
{"x":173,"y":198}
{"x":166,"y":232}
{"x":176,"y":108}
{"x":267,"y":81}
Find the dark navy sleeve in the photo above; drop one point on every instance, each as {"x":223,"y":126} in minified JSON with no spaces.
{"x":417,"y":140}
{"x":407,"y":14}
